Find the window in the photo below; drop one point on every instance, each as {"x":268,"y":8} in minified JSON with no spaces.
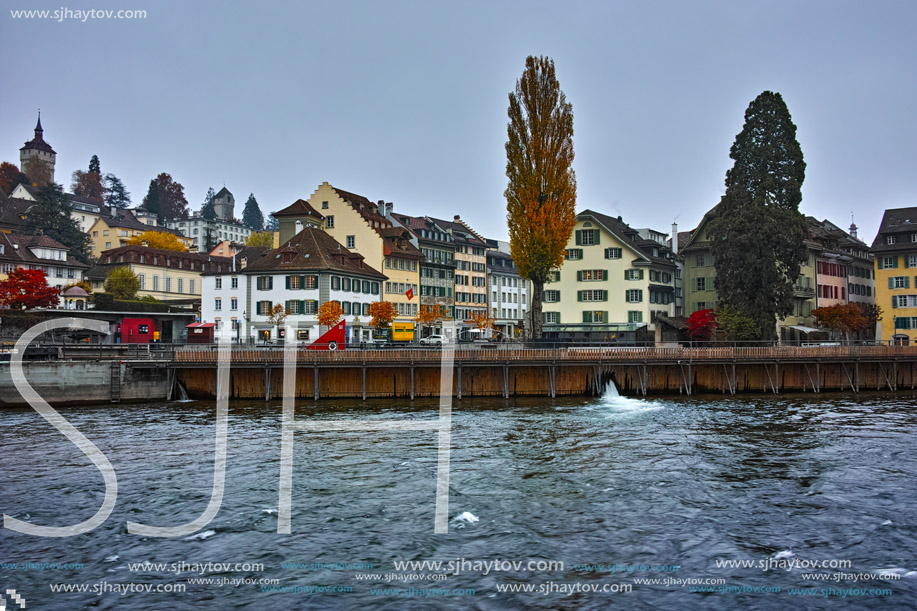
{"x":350,"y":241}
{"x":554,"y":276}
{"x":549,"y":296}
{"x":596,"y":295}
{"x":155,"y":283}
{"x":899,"y":282}
{"x":574,"y":254}
{"x":888,"y":262}
{"x":595,"y":316}
{"x":634,"y":316}
{"x":700,"y":261}
{"x":592,"y":275}
{"x":633,"y":296}
{"x":345,"y":284}
{"x":217,"y":304}
{"x":552,"y":318}
{"x":181,"y":285}
{"x":889,"y":239}
{"x":95,"y":234}
{"x":107,"y":244}
{"x":633,"y":274}
{"x":324,"y":205}
{"x":234,"y":282}
{"x":168,"y":284}
{"x":293,"y":282}
{"x":191,"y":286}
{"x":587,"y":237}
{"x":105,"y":232}
{"x":612,"y":253}
{"x":701,"y":284}
{"x":329,"y":222}
{"x":234,"y":303}
{"x":264,"y":307}
{"x":142,"y":279}
{"x":264,"y":283}
{"x":218,"y":283}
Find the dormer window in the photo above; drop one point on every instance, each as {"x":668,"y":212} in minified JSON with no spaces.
{"x":287,"y":257}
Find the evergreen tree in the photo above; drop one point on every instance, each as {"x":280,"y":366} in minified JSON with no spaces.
{"x":50,"y":216}
{"x":151,"y":201}
{"x":757,"y":232}
{"x":115,"y":193}
{"x":271,"y":224}
{"x":207,"y":210}
{"x":251,"y":215}
{"x":94,"y":165}
{"x":209,"y":240}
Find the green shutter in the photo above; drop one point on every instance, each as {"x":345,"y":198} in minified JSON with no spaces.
{"x":579,"y":275}
{"x":579,"y":237}
{"x":604,"y":274}
{"x":895,"y":261}
{"x":302,"y":307}
{"x":605,"y":316}
{"x":587,"y":316}
{"x":270,"y":305}
{"x":288,"y":285}
{"x":604,"y":295}
{"x":579,"y":295}
{"x":891,"y":282}
{"x":640,"y":295}
{"x":907,"y":282}
{"x":286,"y":305}
{"x":626,"y":274}
{"x":906,"y":261}
{"x":641,"y":274}
{"x":595,"y":234}
{"x":270,"y":283}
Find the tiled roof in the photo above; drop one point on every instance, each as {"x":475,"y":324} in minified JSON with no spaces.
{"x":312,"y":250}
{"x":125,"y":219}
{"x":397,"y":241}
{"x":159,"y":257}
{"x":298,"y":208}
{"x":898,"y":222}
{"x":630,"y":236}
{"x":368,"y":210}
{"x":461,"y":233}
{"x":221,"y":193}
{"x":11,"y":212}
{"x":22,"y":254}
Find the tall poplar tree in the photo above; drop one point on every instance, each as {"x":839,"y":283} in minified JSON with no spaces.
{"x":757,"y":232}
{"x":541,"y":194}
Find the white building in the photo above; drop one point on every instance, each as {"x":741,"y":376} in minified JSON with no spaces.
{"x":215,"y":231}
{"x":509,"y":296}
{"x":306,"y":271}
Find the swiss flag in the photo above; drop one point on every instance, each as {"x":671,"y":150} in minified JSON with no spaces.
{"x":410,"y":294}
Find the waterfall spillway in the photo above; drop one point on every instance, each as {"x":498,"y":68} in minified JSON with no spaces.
{"x":610,"y":389}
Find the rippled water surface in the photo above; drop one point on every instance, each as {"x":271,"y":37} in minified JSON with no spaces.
{"x":685,"y":482}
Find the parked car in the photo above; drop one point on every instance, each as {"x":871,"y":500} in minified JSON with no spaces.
{"x":432,"y":340}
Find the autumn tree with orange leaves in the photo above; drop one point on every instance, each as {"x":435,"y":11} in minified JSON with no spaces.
{"x":429,"y":315}
{"x":482,"y":321}
{"x":383,"y":313}
{"x":330,"y":313}
{"x":541,"y":194}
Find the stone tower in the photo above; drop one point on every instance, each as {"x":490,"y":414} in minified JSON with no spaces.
{"x":38,"y":148}
{"x":223,"y":204}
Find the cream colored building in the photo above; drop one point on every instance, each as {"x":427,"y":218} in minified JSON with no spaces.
{"x":166,"y":275}
{"x":361,"y":227}
{"x":612,"y":284}
{"x":470,"y":270}
{"x":115,"y":231}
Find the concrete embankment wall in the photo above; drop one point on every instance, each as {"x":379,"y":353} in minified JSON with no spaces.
{"x":84,"y":382}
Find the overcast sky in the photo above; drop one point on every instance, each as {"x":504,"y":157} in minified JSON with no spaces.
{"x":406,"y":101}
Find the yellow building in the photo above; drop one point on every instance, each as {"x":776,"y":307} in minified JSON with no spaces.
{"x":115,"y":231}
{"x":470,"y":269}
{"x":361,"y":226}
{"x":166,"y":275}
{"x":895,"y":249}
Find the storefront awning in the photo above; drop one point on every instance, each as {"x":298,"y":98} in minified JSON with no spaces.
{"x":200,"y":325}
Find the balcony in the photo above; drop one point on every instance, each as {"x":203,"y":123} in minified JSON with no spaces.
{"x":803,"y":292}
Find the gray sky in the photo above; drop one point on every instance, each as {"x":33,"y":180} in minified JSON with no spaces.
{"x":406,"y":101}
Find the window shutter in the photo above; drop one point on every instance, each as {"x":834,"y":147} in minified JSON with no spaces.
{"x":640,"y":295}
{"x":302,"y":307}
{"x":907,"y":261}
{"x":587,"y":316}
{"x":895,"y":261}
{"x":579,"y":275}
{"x":270,"y":283}
{"x":605,"y":317}
{"x":287,"y":306}
{"x":579,"y":237}
{"x":579,"y":295}
{"x":907,"y":282}
{"x":604,"y":274}
{"x":641,"y":273}
{"x":269,"y":304}
{"x":626,"y":274}
{"x":288,"y":284}
{"x":595,"y":236}
{"x":891,"y":282}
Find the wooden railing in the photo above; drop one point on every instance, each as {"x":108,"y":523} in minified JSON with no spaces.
{"x":274,"y":355}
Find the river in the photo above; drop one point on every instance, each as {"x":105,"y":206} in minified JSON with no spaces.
{"x":666,"y":489}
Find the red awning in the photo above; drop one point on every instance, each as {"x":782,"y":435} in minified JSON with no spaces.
{"x":200,"y":325}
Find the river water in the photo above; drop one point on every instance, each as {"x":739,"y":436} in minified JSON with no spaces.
{"x":667,"y":487}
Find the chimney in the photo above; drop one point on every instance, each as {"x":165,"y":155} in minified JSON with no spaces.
{"x":675,"y":238}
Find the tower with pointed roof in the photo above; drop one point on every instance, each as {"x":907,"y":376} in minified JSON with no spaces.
{"x":38,"y":148}
{"x":224,"y":204}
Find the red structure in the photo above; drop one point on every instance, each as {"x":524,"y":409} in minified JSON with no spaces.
{"x":201,"y":332}
{"x":138,"y":330}
{"x":334,"y":339}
